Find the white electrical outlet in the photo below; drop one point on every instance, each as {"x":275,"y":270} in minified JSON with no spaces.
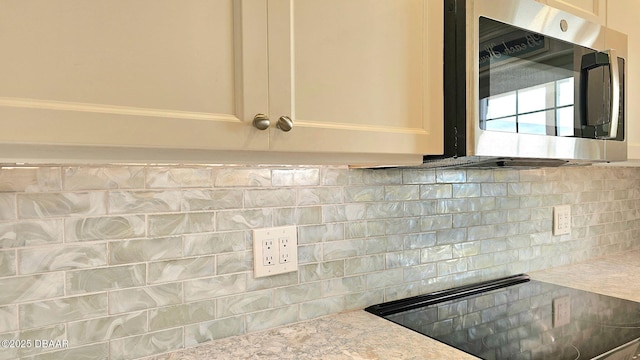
{"x":275,"y":251}
{"x":562,"y":220}
{"x":268,"y":252}
{"x":286,"y":250}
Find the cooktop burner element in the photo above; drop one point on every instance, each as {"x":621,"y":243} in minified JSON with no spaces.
{"x":520,"y":318}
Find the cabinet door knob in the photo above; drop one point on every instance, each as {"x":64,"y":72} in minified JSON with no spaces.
{"x":261,"y":122}
{"x":285,"y":123}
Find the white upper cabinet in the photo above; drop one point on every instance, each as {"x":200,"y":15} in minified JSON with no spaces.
{"x":164,"y":80}
{"x":357,"y":76}
{"x":592,"y":10}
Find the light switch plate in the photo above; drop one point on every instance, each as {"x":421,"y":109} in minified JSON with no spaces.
{"x":275,"y":251}
{"x":562,"y":220}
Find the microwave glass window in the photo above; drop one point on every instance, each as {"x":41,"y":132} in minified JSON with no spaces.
{"x":545,"y":109}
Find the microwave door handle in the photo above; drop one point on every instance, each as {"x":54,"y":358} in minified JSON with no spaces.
{"x":599,"y":59}
{"x":615,"y":93}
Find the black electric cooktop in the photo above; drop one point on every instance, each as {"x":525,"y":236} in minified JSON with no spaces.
{"x":520,"y":318}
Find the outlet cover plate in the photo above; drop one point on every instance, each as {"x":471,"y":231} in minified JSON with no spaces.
{"x":562,"y":220}
{"x":284,"y":251}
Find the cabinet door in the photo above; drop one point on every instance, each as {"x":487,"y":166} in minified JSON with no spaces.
{"x":592,"y":10}
{"x":357,"y":76}
{"x":145,"y":73}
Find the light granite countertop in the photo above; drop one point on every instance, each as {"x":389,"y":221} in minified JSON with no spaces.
{"x":360,"y":335}
{"x":617,"y":275}
{"x":351,"y":335}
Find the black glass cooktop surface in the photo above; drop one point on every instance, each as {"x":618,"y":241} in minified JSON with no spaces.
{"x":520,"y":318}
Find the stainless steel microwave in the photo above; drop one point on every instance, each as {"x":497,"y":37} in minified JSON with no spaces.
{"x":526,"y":83}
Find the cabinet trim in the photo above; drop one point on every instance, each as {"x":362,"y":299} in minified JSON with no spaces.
{"x":360,"y":127}
{"x":251,"y":57}
{"x":111,"y":109}
{"x":11,"y":154}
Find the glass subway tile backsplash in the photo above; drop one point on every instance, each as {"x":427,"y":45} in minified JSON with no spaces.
{"x":122,"y":262}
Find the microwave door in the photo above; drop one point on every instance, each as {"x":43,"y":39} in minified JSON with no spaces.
{"x":600,"y":94}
